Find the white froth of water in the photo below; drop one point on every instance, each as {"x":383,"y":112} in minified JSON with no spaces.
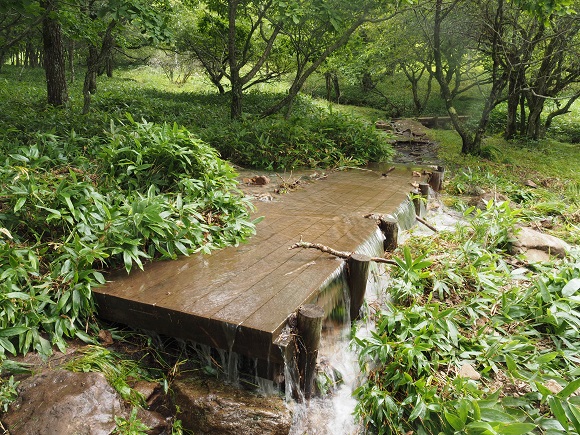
{"x":332,"y":414}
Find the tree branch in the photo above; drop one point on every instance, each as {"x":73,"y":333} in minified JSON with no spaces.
{"x":339,"y":254}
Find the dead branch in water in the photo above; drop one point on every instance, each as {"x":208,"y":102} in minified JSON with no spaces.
{"x":424,"y":222}
{"x":339,"y":254}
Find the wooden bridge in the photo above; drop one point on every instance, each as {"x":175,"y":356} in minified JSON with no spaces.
{"x":239,"y":299}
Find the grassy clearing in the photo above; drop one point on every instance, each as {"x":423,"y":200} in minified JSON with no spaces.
{"x":550,"y":164}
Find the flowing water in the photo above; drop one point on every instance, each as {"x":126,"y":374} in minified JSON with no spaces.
{"x":332,"y":414}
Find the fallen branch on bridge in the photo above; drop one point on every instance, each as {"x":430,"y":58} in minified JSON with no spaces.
{"x":339,"y":254}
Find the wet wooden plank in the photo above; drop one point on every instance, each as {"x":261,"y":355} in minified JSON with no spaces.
{"x":239,"y":298}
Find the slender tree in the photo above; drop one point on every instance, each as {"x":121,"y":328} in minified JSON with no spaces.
{"x":54,"y":62}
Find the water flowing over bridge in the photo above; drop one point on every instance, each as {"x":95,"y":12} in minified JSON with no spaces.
{"x":239,"y":299}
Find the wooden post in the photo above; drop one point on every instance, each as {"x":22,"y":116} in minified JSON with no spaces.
{"x":424,"y":189}
{"x":442,"y":170}
{"x":390,"y":228}
{"x":436,"y":180}
{"x":417,"y":200}
{"x":309,"y":324}
{"x":286,"y":342}
{"x":357,"y":276}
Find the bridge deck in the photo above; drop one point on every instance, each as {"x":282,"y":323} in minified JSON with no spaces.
{"x":239,"y":298}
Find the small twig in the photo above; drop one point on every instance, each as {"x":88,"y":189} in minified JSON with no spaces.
{"x":339,"y":254}
{"x":431,"y":227}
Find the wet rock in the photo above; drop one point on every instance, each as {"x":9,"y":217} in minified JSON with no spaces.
{"x":209,"y":407}
{"x":57,"y":402}
{"x":62,"y":402}
{"x":146,"y":389}
{"x":467,"y":371}
{"x":536,"y":256}
{"x":156,"y":423}
{"x":538,"y":246}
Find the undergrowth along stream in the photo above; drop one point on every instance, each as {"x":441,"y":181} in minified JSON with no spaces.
{"x":148,"y":191}
{"x":465,"y":300}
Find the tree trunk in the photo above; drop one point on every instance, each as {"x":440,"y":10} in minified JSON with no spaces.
{"x":303,"y":73}
{"x":95,"y":59}
{"x":522,"y":115}
{"x":336,"y":86}
{"x":236,"y":102}
{"x":109,"y":62}
{"x":71,"y":60}
{"x":54,"y":65}
{"x":332,"y":84}
{"x":469,"y":146}
{"x":367,"y":82}
{"x":236,"y":83}
{"x":90,"y":83}
{"x":561,"y":111}
{"x":534,"y":127}
{"x":513,"y":102}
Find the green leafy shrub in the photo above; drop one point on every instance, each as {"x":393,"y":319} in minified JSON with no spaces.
{"x":64,"y":218}
{"x":565,"y":129}
{"x":313,"y":139}
{"x":495,"y":226}
{"x":131,"y":425}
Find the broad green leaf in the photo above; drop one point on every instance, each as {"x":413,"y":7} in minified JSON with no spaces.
{"x":454,"y":421}
{"x":575,"y":411}
{"x":99,"y":277}
{"x":6,"y":344}
{"x":543,"y":390}
{"x":547,"y":357}
{"x":20,"y":158}
{"x":558,"y":411}
{"x":571,"y":287}
{"x":419,"y":411}
{"x":43,"y":346}
{"x":480,"y":428}
{"x":511,"y":365}
{"x":516,"y":428}
{"x":494,"y":415}
{"x":569,"y":389}
{"x":11,"y":332}
{"x":17,"y":295}
{"x":19,"y":204}
{"x":463,"y":409}
{"x":546,"y":296}
{"x":181,"y":247}
{"x":574,"y":416}
{"x":453,"y":332}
